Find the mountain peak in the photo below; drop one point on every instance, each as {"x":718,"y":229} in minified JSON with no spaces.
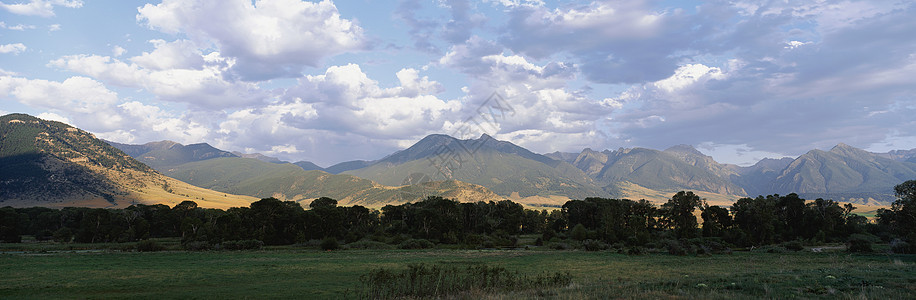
{"x":485,"y":137}
{"x":684,"y":148}
{"x":847,"y":149}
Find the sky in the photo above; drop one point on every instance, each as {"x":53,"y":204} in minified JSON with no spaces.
{"x":331,"y":81}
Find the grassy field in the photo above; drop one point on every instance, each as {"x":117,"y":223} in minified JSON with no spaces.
{"x":306,"y":273}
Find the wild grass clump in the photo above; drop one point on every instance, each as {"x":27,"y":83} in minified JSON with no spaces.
{"x":149,"y":246}
{"x":421,"y":281}
{"x":242,"y":245}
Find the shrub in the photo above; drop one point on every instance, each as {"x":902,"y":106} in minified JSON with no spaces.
{"x":674,"y":247}
{"x":242,"y":245}
{"x":793,"y":246}
{"x":902,"y":247}
{"x":329,"y":243}
{"x":149,"y":246}
{"x":416,"y":244}
{"x":369,"y":244}
{"x":435,"y":281}
{"x":196,"y":246}
{"x":860,"y":243}
{"x":593,"y":245}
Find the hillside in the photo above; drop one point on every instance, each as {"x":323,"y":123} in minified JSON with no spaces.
{"x":46,"y":163}
{"x":844,"y":173}
{"x":504,"y":168}
{"x":670,"y":170}
{"x":290,"y":182}
{"x":169,"y":153}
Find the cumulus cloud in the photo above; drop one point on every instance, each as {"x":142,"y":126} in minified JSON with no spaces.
{"x":90,"y":105}
{"x":118,"y":51}
{"x":12,"y":48}
{"x":268,"y":39}
{"x":174,"y":71}
{"x":615,"y":42}
{"x":543,"y":107}
{"x":427,"y":31}
{"x":41,"y":8}
{"x":850,"y":86}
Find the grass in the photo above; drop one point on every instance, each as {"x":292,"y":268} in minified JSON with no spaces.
{"x":289,"y":272}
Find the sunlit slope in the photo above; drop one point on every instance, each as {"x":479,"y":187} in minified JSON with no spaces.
{"x":46,"y":163}
{"x":502,"y":167}
{"x":289,"y":182}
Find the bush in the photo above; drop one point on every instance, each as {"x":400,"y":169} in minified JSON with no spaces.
{"x":196,"y":246}
{"x":329,"y":243}
{"x":793,"y":246}
{"x":593,"y":245}
{"x":416,"y":244}
{"x":241,"y":245}
{"x":559,"y":246}
{"x":860,"y":243}
{"x":435,"y":281}
{"x":149,"y":246}
{"x":369,"y":244}
{"x":674,"y":247}
{"x":902,"y":247}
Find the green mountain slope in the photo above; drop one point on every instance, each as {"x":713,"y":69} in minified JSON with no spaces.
{"x":657,"y":170}
{"x":844,"y":172}
{"x":169,"y":153}
{"x":46,"y":163}
{"x":290,"y":182}
{"x":503,"y":167}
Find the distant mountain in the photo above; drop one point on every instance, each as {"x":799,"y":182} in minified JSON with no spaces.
{"x":677,"y":168}
{"x":503,"y":167}
{"x":169,"y":153}
{"x":290,"y":182}
{"x":347,"y":166}
{"x":759,"y":178}
{"x":260,"y":157}
{"x":308,"y":166}
{"x":569,"y":157}
{"x":47,"y":163}
{"x":844,"y":172}
{"x":900,"y":155}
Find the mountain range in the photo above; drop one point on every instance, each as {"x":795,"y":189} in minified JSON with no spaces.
{"x":843,"y":173}
{"x":70,"y":164}
{"x":47,"y":163}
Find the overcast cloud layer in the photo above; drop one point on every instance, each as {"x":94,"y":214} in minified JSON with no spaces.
{"x":328,"y":82}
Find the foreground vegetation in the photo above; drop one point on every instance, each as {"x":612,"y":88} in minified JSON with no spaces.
{"x":307,"y":273}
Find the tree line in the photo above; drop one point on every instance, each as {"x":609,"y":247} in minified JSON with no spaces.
{"x":592,"y":223}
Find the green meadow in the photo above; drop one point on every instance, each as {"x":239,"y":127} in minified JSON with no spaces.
{"x":308,"y":273}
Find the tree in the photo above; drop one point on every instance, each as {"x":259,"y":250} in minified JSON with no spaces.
{"x":715,"y":221}
{"x":678,"y":211}
{"x":901,"y":218}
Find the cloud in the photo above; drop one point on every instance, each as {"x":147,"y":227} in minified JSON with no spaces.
{"x":18,"y":27}
{"x":544,"y":109}
{"x":348,"y":100}
{"x":118,"y":51}
{"x":268,"y":39}
{"x":851,"y":85}
{"x":12,"y":48}
{"x":173,"y":72}
{"x":41,"y":8}
{"x":425,"y":32}
{"x":615,"y":42}
{"x":88,"y":104}
{"x":54,"y":117}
